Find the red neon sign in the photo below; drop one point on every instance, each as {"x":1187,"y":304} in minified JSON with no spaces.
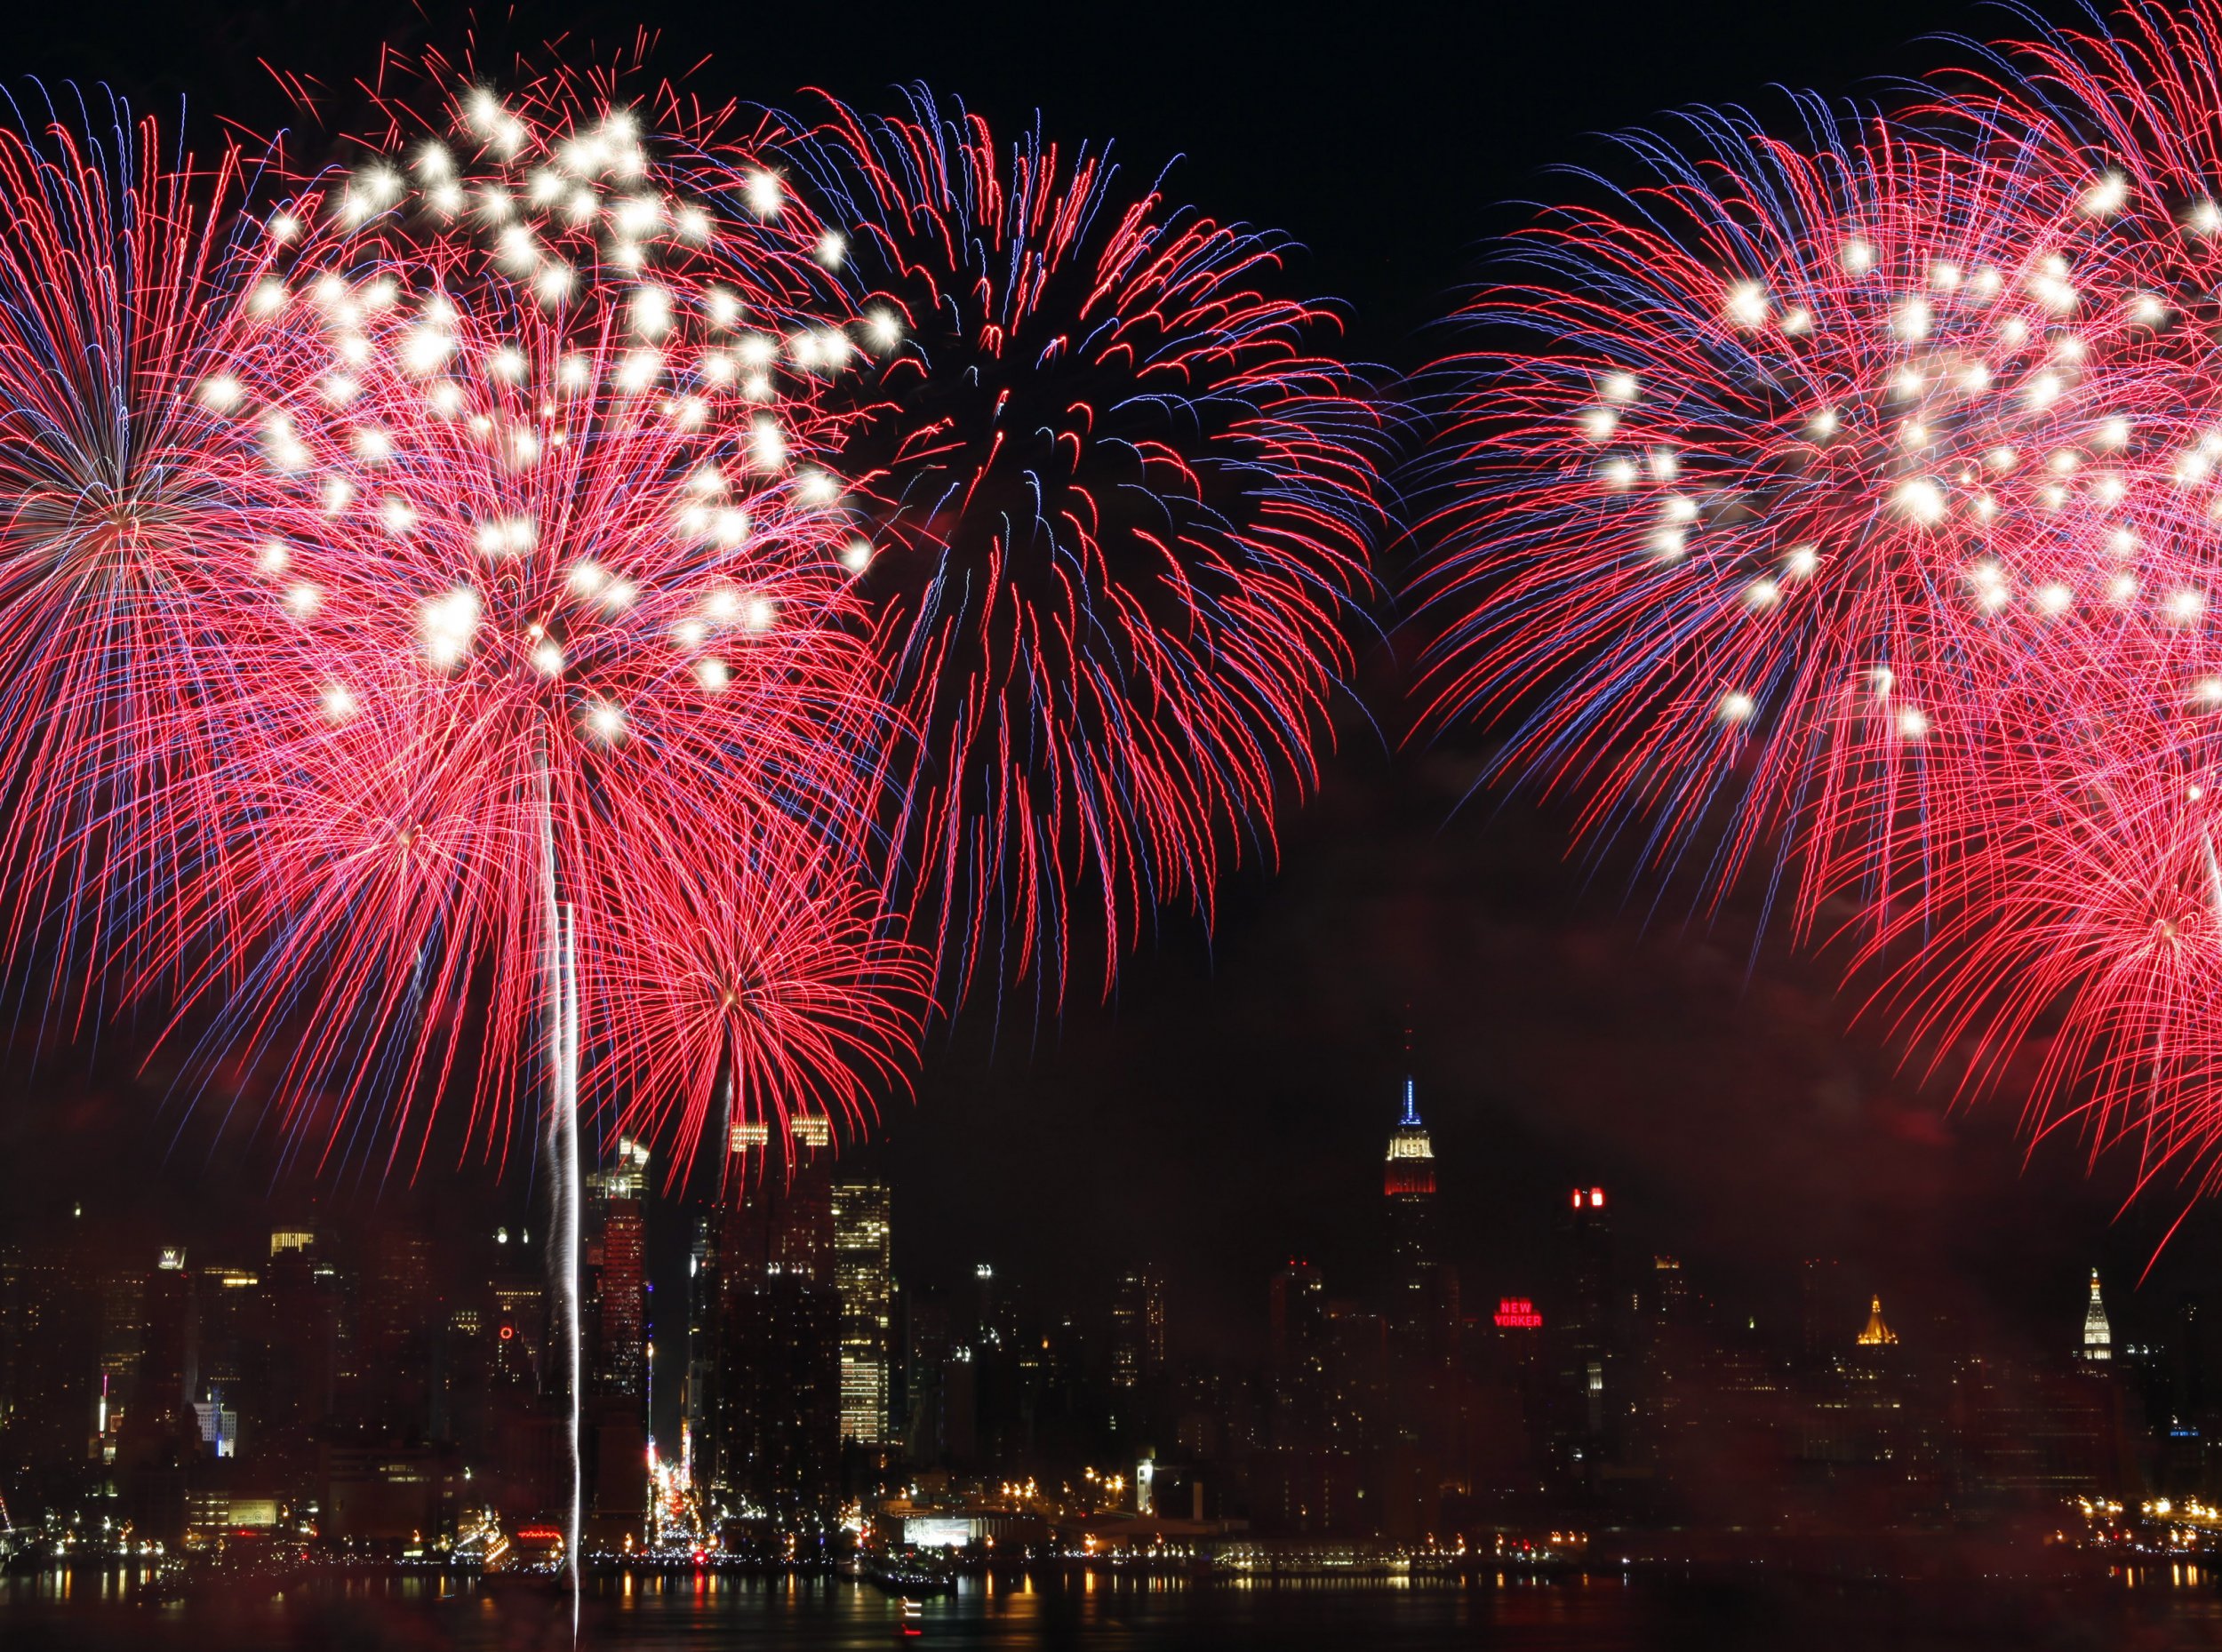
{"x":1517,"y":1314}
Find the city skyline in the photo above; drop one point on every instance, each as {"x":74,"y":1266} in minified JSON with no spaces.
{"x":1489,"y":1234}
{"x":360,"y":1374}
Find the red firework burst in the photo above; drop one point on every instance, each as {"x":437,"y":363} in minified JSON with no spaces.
{"x":122,"y":644}
{"x":566,"y":613}
{"x":1787,"y":459}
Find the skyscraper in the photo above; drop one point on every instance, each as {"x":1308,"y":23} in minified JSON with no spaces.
{"x":616,"y":1403}
{"x":1422,"y":1322}
{"x":1822,"y":1310}
{"x":2098,"y":1334}
{"x":50,"y":1353}
{"x":776,"y":1438}
{"x":1415,"y":1269}
{"x":863,"y":1273}
{"x":929,"y":1343}
{"x":1137,"y":1328}
{"x":397,"y":1309}
{"x":696,"y":1400}
{"x":1301,"y":1397}
{"x":617,"y":1272}
{"x":1589,"y":1329}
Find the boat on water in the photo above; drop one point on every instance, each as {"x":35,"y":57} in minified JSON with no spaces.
{"x":905,"y":1577}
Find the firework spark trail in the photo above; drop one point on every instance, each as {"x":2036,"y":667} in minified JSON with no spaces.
{"x":2092,"y":831}
{"x":576,"y":516}
{"x":1127,"y":502}
{"x":123,"y":643}
{"x":2075,"y":947}
{"x":568,"y":655}
{"x":1844,"y":511}
{"x":1752,"y":522}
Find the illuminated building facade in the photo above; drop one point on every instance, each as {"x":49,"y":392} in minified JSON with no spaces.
{"x":2098,"y":1333}
{"x":1590,"y":1328}
{"x":616,"y":1403}
{"x":774,"y":1445}
{"x":1422,"y":1336}
{"x":616,"y":1273}
{"x":864,"y":1274}
{"x":1876,"y":1333}
{"x":1137,"y":1329}
{"x":1415,"y":1269}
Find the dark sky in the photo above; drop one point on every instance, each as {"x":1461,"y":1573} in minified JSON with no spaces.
{"x":1231,"y":1108}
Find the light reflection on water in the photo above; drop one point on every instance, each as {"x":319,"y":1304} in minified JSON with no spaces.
{"x":690,"y":1612}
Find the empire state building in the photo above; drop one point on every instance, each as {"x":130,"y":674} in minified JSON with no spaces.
{"x":1423,"y":1286}
{"x":1423,"y":1305}
{"x":1415,"y":1265}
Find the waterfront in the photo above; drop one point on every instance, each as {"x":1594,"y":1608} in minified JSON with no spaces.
{"x":1092,"y":1613}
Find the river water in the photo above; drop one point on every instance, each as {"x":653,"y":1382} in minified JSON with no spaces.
{"x":1601,"y":1613}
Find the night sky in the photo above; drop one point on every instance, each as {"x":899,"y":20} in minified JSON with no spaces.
{"x":1230,"y":1108}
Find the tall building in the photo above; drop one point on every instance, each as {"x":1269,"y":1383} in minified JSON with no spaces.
{"x":396,"y":1310}
{"x":616,"y":1290}
{"x":1301,"y":1395}
{"x":1421,"y":1287}
{"x":306,"y":1323}
{"x":1590,"y":1330}
{"x":775,"y":1439}
{"x":864,"y":1274}
{"x":616,"y":1273}
{"x":697,"y":1400}
{"x":1876,"y":1333}
{"x":2098,"y":1334}
{"x":161,"y":1422}
{"x":2188,"y":1348}
{"x":934,"y":1430}
{"x":1422,"y":1322}
{"x":1669,"y":1303}
{"x":51,"y":1365}
{"x":1822,"y":1310}
{"x":1137,"y":1328}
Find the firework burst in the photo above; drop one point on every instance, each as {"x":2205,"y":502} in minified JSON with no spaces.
{"x":122,"y":645}
{"x":1792,"y":454}
{"x":1125,"y":508}
{"x":569,"y":608}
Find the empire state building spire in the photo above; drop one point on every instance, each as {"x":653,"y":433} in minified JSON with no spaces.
{"x":2098,"y":1334}
{"x":1411,"y":1156}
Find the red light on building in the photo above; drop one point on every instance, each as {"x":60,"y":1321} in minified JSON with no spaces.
{"x":1517,"y":1314}
{"x":1597,"y":1198}
{"x":509,"y":1331}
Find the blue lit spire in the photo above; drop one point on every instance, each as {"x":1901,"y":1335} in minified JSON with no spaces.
{"x":1411,"y":1107}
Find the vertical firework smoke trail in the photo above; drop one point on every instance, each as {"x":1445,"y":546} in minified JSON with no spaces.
{"x":1126,"y":504}
{"x":561,"y":976}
